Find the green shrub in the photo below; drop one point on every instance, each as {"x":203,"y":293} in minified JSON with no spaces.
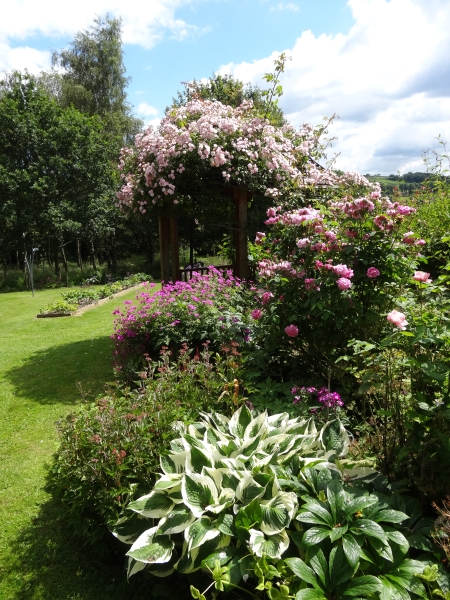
{"x":110,"y":450}
{"x":259,"y":503}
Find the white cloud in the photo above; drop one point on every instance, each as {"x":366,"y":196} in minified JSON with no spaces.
{"x":146,"y":110}
{"x":388,"y":79}
{"x":289,"y":6}
{"x":144,"y":22}
{"x":22,"y":58}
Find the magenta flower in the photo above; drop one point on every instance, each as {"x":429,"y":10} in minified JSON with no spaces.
{"x":398,"y":319}
{"x":256,"y":314}
{"x":422,"y":276}
{"x":291,"y":331}
{"x":373,"y":272}
{"x":343,"y":283}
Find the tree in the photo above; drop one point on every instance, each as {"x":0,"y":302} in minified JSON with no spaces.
{"x":56,"y":179}
{"x":94,"y":78}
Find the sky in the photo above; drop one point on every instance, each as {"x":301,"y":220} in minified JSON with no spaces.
{"x":381,"y":66}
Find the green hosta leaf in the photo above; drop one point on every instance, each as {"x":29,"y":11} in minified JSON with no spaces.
{"x":392,"y":516}
{"x":152,"y":548}
{"x":155,"y":505}
{"x":273,"y":545}
{"x":309,"y":594}
{"x":369,"y":528}
{"x":200,"y":532}
{"x":225,"y":524}
{"x":303,"y":572}
{"x":224,"y":555}
{"x":239,"y":421}
{"x":176,"y":522}
{"x":196,"y":460}
{"x":363,"y":586}
{"x":173,"y":463}
{"x":278,"y":512}
{"x":127,"y":530}
{"x":229,"y":479}
{"x":134,"y":566}
{"x":315,"y":535}
{"x":168,"y":482}
{"x":351,"y":549}
{"x":199,"y":492}
{"x":248,"y":490}
{"x":333,"y":436}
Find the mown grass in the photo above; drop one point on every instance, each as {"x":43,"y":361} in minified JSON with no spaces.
{"x":47,"y":368}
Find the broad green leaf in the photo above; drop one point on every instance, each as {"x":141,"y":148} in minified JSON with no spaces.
{"x":336,"y":498}
{"x":168,"y":482}
{"x":176,"y":522}
{"x":337,"y":532}
{"x":225,"y":524}
{"x":370,"y":528}
{"x":363,"y":586}
{"x":355,"y":505}
{"x":196,"y":459}
{"x":392,"y":591}
{"x":351,"y":549}
{"x":339,"y":569}
{"x":200,"y":532}
{"x":127,"y":530}
{"x":173,"y":463}
{"x":320,"y":567}
{"x":199,"y":492}
{"x":273,"y":545}
{"x":333,"y":436}
{"x":247,"y":490}
{"x":319,"y":510}
{"x":315,"y":535}
{"x":154,"y":505}
{"x":239,"y":421}
{"x":309,"y":594}
{"x":152,"y":548}
{"x":392,"y":516}
{"x":303,"y":572}
{"x":398,"y":538}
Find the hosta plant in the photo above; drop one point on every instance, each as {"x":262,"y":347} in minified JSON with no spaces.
{"x":258,"y":503}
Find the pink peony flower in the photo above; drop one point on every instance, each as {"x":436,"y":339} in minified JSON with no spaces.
{"x":422,"y":276}
{"x":398,"y":319}
{"x":373,"y":272}
{"x":291,"y":331}
{"x":256,"y":314}
{"x":343,"y":283}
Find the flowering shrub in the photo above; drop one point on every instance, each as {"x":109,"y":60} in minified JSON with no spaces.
{"x":110,"y":449}
{"x":328,"y":273}
{"x":210,"y":307}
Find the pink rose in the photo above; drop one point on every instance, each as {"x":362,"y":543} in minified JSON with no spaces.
{"x":343,"y":283}
{"x":256,"y":314}
{"x":398,"y":319}
{"x":422,"y":276}
{"x":373,"y":272}
{"x":291,"y":331}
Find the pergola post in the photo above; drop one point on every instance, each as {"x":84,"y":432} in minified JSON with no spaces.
{"x":174,"y":248}
{"x":164,"y":247}
{"x":241,"y":198}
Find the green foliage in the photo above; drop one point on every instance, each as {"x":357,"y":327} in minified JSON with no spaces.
{"x":110,"y":450}
{"x":255,"y":502}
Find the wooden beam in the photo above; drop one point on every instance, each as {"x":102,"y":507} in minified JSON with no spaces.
{"x":174,"y":248}
{"x":164,"y":247}
{"x":240,"y":198}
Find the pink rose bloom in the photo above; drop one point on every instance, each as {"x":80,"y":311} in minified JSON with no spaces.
{"x":291,"y":331}
{"x":398,"y":319}
{"x":266,"y":297}
{"x":373,"y":272}
{"x":343,"y":283}
{"x":343,"y":271}
{"x":302,"y":243}
{"x":256,"y":314}
{"x":408,"y":238}
{"x":422,"y":276}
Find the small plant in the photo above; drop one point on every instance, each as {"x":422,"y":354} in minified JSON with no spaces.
{"x":60,"y":306}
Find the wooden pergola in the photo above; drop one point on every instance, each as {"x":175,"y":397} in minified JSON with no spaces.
{"x":169,"y":243}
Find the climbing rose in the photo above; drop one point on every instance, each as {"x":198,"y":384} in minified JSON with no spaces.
{"x":291,"y":331}
{"x":422,"y":276}
{"x":373,"y":272}
{"x":256,"y":314}
{"x":398,"y":319}
{"x":343,"y":283}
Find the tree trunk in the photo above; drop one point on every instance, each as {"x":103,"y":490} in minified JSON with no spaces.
{"x":57,"y":265}
{"x":79,"y":257}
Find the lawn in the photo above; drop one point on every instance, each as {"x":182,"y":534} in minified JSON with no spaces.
{"x":47,"y":368}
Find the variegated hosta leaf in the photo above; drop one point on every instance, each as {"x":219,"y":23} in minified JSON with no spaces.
{"x":239,"y":422}
{"x":278,"y":512}
{"x":134,"y":566}
{"x":200,"y":532}
{"x":173,"y":463}
{"x":272,"y":545}
{"x":227,"y":498}
{"x":333,"y":436}
{"x":257,"y":426}
{"x":179,"y":519}
{"x":168,"y":482}
{"x":248,"y":489}
{"x":197,"y":459}
{"x":199,"y":492}
{"x":152,"y":548}
{"x":155,"y":505}
{"x":128,"y":530}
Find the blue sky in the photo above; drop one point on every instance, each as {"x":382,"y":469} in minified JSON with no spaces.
{"x":382,"y":65}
